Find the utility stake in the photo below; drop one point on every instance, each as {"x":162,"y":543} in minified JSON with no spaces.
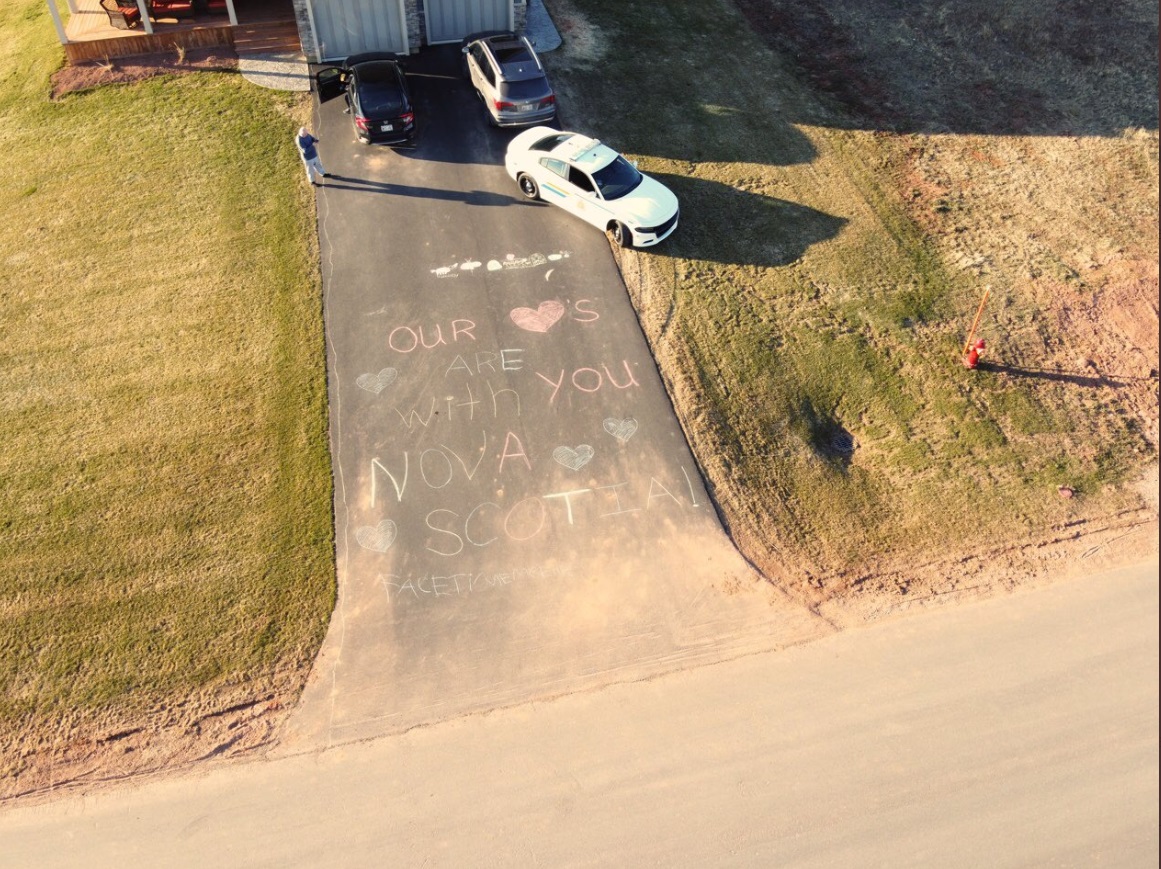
{"x":968,"y":343}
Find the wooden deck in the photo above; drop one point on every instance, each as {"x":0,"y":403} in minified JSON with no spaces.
{"x":92,"y":38}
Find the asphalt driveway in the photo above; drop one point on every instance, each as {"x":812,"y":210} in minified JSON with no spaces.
{"x":517,"y":512}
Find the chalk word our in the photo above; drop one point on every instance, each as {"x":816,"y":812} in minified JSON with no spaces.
{"x":409,"y":338}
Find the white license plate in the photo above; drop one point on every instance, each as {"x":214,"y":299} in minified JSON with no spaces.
{"x":527,"y":107}
{"x":387,"y":128}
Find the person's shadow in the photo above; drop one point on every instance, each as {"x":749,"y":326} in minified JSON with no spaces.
{"x":364,"y":185}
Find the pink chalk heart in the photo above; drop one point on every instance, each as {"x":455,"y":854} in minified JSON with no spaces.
{"x":540,"y":320}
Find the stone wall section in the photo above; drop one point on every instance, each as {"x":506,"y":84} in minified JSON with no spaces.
{"x":306,"y":33}
{"x":416,"y":24}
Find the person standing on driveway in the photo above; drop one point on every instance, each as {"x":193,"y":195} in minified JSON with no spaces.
{"x":308,"y":151}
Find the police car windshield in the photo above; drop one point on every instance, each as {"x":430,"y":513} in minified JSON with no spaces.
{"x":617,"y":179}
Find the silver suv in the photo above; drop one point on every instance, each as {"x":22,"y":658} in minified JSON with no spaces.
{"x":509,"y":78}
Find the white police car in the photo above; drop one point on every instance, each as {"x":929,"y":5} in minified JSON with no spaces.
{"x":594,"y":182}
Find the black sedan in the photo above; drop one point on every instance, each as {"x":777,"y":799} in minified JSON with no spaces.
{"x":377,"y":96}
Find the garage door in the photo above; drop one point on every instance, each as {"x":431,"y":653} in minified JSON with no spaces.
{"x":346,"y":27}
{"x":452,"y":20}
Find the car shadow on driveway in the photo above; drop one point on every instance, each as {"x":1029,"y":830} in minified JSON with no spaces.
{"x":470,"y":197}
{"x":720,"y":223}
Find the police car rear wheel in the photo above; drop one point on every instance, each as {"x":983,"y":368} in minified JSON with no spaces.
{"x":528,"y":186}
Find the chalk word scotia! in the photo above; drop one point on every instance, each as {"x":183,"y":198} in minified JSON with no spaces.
{"x":454,"y":531}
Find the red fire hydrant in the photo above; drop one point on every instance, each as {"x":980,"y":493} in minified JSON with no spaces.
{"x":972,"y":359}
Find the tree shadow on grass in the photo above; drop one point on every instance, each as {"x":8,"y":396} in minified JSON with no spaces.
{"x":993,"y":67}
{"x":720,"y":223}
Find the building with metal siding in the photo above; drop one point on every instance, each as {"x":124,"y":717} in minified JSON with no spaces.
{"x":334,"y":29}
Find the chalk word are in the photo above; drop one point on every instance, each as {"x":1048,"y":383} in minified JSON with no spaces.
{"x":433,"y":585}
{"x":489,"y":522}
{"x":441,"y":464}
{"x":475,"y":364}
{"x":509,"y":262}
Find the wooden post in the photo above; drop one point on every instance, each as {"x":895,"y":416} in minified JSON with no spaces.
{"x":968,"y":343}
{"x":56,"y":20}
{"x":146,"y":21}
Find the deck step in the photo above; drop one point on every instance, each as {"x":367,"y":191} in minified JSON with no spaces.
{"x":267,"y":37}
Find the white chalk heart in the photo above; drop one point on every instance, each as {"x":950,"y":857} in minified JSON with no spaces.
{"x":379,"y":538}
{"x":540,"y":320}
{"x":621,"y":429}
{"x":573,"y":459}
{"x":376,"y":383}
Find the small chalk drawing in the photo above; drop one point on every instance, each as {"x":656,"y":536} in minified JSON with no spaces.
{"x":621,"y":429}
{"x":573,"y":459}
{"x":376,"y":383}
{"x":509,"y":262}
{"x":379,"y":538}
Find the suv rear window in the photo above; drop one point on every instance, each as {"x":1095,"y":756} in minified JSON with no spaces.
{"x":534,"y":89}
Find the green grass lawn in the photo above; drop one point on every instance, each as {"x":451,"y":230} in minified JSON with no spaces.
{"x":809,"y":322}
{"x":165,"y":487}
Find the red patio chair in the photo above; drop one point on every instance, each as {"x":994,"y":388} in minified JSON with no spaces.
{"x":121,"y":17}
{"x":171,"y":9}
